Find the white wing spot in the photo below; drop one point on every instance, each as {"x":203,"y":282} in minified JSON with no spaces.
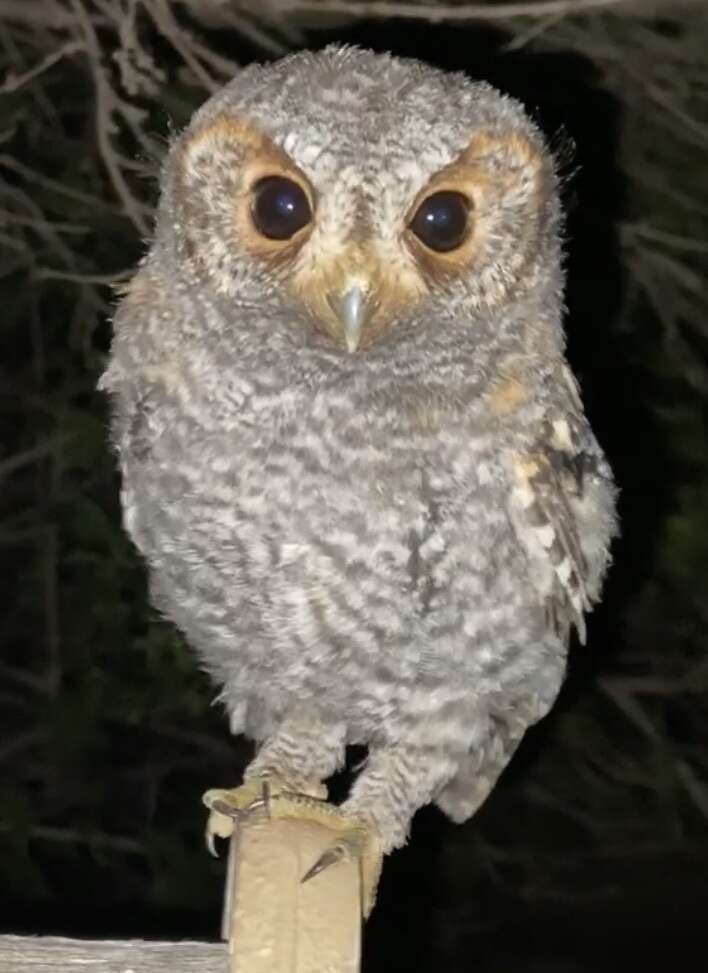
{"x":546,"y":535}
{"x":561,"y":436}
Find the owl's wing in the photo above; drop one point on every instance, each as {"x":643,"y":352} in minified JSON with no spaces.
{"x":562,"y":504}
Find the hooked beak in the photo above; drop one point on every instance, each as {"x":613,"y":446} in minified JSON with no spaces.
{"x":353,"y":310}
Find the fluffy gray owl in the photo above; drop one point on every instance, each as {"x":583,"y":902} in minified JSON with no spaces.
{"x":353,"y":455}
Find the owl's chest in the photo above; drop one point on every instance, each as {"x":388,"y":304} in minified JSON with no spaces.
{"x":316,"y":497}
{"x":333,"y":489}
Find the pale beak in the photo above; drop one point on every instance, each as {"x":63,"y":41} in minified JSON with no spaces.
{"x":351,"y":309}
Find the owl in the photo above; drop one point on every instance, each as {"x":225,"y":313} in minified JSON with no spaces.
{"x":353,"y":455}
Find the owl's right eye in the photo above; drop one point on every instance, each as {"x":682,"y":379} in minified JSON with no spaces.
{"x":280,"y":208}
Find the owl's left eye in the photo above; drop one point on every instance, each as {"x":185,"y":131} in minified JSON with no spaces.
{"x":280,"y":208}
{"x":441,"y":221}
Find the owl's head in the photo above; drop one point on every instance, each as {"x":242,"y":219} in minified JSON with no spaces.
{"x":358,"y":191}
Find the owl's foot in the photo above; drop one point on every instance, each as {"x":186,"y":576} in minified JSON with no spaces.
{"x":270,"y":793}
{"x":356,"y":840}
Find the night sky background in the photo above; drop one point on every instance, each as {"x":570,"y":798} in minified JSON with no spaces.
{"x":592,"y":853}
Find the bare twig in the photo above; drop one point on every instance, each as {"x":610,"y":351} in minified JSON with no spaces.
{"x":448,"y":13}
{"x":94,"y":839}
{"x":30,"y":456}
{"x":106,"y":104}
{"x":18,"y":744}
{"x":14,"y":82}
{"x":104,"y":280}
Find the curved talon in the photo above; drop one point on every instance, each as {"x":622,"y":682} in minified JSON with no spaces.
{"x":360,"y":842}
{"x":211,"y":847}
{"x":222,"y":820}
{"x":213,"y":830}
{"x":330,"y":857}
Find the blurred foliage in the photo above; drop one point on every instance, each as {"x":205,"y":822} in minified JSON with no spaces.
{"x":107,"y":732}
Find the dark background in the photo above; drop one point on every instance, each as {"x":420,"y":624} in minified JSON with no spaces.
{"x":591,"y":854}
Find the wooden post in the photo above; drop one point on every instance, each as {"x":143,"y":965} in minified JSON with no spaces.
{"x":273,"y":921}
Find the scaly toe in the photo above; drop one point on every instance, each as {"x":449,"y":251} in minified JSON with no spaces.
{"x":229,"y":806}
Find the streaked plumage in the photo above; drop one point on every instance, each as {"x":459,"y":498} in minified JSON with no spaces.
{"x":386,"y":546}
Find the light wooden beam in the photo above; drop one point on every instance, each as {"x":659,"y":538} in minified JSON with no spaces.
{"x":51,"y":954}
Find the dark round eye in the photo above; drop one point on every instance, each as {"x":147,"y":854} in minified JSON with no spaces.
{"x":441,"y":221}
{"x":280,"y":208}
